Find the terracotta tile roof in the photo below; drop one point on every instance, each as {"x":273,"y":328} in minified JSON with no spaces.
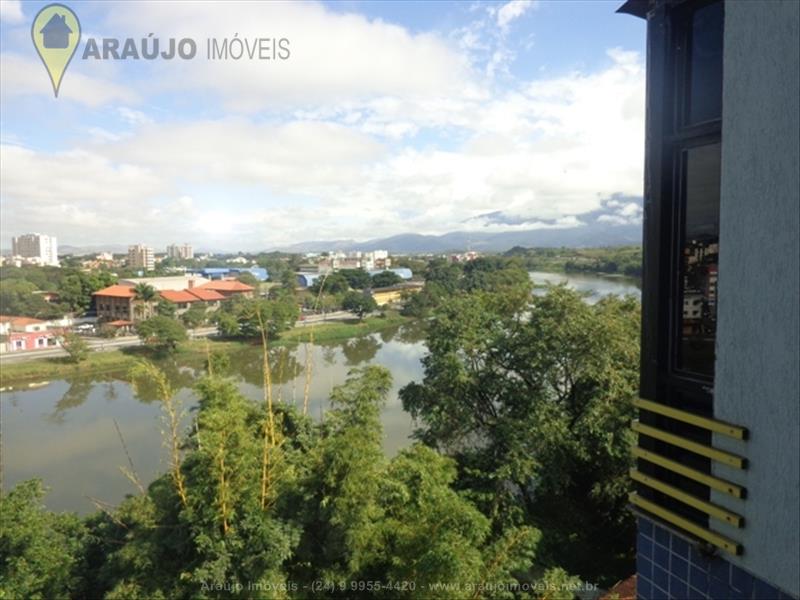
{"x":624,"y":590}
{"x":206,"y":295}
{"x":119,"y":323}
{"x":20,"y":320}
{"x":178,"y":296}
{"x":226,"y":285}
{"x":117,"y":291}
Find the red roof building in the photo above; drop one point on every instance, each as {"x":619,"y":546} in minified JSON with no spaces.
{"x":116,"y":291}
{"x":179,"y":297}
{"x":115,"y":302}
{"x":206,"y":295}
{"x":228,"y":288}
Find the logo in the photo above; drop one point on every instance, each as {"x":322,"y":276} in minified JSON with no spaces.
{"x":56,"y":33}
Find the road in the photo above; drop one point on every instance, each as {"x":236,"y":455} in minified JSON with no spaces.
{"x":104,"y":345}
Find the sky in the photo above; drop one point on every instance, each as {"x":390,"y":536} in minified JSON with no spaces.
{"x":386,"y":118}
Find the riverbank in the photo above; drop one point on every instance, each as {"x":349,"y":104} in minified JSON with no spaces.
{"x":120,"y":360}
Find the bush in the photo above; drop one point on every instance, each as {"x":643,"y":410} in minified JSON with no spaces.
{"x":75,"y":346}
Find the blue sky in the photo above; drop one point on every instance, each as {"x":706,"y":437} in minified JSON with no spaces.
{"x":387,"y":117}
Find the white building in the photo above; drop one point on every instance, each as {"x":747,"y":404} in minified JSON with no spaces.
{"x":180,"y":251}
{"x":141,"y":257}
{"x":36,"y":248}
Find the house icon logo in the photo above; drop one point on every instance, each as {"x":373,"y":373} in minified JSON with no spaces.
{"x":56,"y":33}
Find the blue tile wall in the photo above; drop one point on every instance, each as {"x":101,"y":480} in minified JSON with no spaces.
{"x":670,"y":567}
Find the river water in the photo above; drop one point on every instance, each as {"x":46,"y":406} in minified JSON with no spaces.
{"x":75,"y":434}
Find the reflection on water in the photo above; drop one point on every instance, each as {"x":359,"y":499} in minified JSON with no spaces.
{"x":594,"y":286}
{"x":64,"y":432}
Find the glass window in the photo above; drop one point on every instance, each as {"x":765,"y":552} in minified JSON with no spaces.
{"x":704,"y":94}
{"x":699,"y":257}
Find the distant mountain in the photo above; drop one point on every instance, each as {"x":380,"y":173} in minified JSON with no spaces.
{"x":320,"y":246}
{"x":596,"y":234}
{"x":617,"y":222}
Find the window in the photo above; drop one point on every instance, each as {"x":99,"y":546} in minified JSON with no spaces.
{"x":683,"y":205}
{"x":682,"y":208}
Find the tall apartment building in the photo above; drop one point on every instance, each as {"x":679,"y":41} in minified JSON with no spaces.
{"x":36,"y":248}
{"x":141,"y":257}
{"x":180,"y":251}
{"x":718,"y":458}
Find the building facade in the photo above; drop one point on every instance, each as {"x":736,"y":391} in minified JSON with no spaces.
{"x":718,"y":470}
{"x":180,"y":251}
{"x":36,"y":248}
{"x":141,"y":257}
{"x":18,"y":334}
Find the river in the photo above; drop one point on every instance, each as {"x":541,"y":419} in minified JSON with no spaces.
{"x":76,"y":434}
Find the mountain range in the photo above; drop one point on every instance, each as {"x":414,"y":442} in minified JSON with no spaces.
{"x":617,"y":222}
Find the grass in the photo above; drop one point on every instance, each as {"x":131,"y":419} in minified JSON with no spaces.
{"x":123,"y":359}
{"x":341,"y":330}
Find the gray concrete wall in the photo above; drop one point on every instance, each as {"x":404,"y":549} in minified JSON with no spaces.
{"x":758,"y":335}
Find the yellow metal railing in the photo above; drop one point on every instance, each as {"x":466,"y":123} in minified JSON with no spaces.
{"x":720,"y":456}
{"x":734,"y":431}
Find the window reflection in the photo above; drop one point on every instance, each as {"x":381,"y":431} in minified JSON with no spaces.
{"x":700,"y":251}
{"x":705,"y":64}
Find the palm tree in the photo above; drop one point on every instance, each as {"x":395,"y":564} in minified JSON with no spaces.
{"x":145,"y":294}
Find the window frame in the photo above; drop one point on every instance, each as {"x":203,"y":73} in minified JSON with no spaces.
{"x":667,"y":138}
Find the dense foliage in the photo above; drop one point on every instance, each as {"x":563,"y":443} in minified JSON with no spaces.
{"x":75,"y":346}
{"x":244,"y":317}
{"x":532,"y":396}
{"x":21,"y":290}
{"x":518,"y":477}
{"x":614,"y":260}
{"x":359,"y":304}
{"x":262,"y":502}
{"x":161,"y":333}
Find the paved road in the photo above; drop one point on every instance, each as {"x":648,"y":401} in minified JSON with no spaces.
{"x":104,"y":345}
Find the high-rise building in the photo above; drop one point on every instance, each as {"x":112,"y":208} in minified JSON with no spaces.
{"x":180,"y":251}
{"x":36,"y":248}
{"x":141,"y":257}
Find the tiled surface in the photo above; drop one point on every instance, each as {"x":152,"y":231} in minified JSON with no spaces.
{"x":670,"y":567}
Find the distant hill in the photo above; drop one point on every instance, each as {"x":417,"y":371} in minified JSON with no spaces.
{"x":593,"y":235}
{"x":616,"y":223}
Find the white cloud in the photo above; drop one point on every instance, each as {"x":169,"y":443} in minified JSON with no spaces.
{"x":24,"y":76}
{"x":11,"y":11}
{"x":133,"y":117}
{"x":511,"y":11}
{"x":322,"y":146}
{"x":334,"y":58}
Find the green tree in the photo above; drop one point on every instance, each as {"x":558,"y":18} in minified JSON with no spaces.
{"x":18,"y":297}
{"x":195,"y":316}
{"x":165,"y":308}
{"x":41,"y":553}
{"x":359,"y":303}
{"x":161,"y":333}
{"x":144,"y":295}
{"x":493,"y":273}
{"x":248,"y":279}
{"x":75,"y":288}
{"x":227,"y":324}
{"x":546,"y":383}
{"x":358,"y":279}
{"x":276,"y":315}
{"x":75,"y":346}
{"x":332,"y":283}
{"x":386,"y":279}
{"x":447,"y":275}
